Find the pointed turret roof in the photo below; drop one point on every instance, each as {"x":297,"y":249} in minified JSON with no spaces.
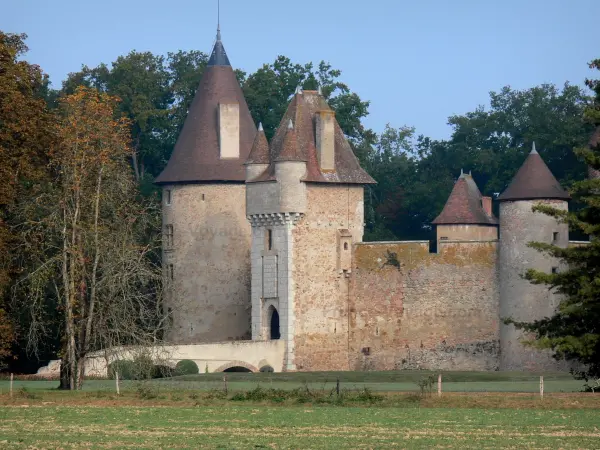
{"x":218,"y":56}
{"x":260,"y":149}
{"x":534,"y":181}
{"x":196,"y":156}
{"x":290,"y":150}
{"x":464,"y":206}
{"x":302,"y":111}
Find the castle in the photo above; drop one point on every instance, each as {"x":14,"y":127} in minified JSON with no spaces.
{"x":263,"y":241}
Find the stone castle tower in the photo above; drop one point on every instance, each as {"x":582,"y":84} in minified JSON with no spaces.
{"x":264,"y":241}
{"x":206,"y":245}
{"x":305,"y":204}
{"x":533,"y":184}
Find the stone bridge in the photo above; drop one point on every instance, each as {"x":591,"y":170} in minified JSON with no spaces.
{"x":238,"y":356}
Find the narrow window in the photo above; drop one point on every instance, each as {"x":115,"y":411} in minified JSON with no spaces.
{"x":171,"y":272}
{"x":203,"y":197}
{"x":555,"y":236}
{"x":269,"y":239}
{"x":169,"y":236}
{"x":555,"y":270}
{"x":168,"y":197}
{"x":345,"y":246}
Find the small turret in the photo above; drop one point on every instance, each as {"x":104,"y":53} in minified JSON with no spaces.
{"x":290,"y":168}
{"x":259,"y":159}
{"x":519,"y":225}
{"x":467,"y":215}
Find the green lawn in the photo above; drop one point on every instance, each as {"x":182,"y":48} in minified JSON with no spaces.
{"x":393,"y":381}
{"x":241,"y":427}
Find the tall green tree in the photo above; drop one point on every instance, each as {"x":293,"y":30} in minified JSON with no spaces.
{"x":268,"y":91}
{"x":573,"y":332}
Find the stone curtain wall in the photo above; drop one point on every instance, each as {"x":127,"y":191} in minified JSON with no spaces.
{"x":411,"y":309}
{"x":321,"y":290}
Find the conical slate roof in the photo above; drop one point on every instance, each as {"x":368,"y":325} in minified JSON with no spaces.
{"x":534,"y":181}
{"x":196,"y":156}
{"x":464,"y":206}
{"x":302,"y":111}
{"x":259,"y":154}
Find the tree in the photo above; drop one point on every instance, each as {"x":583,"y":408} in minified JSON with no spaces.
{"x":87,"y":235}
{"x":268,"y":90}
{"x":25,"y":133}
{"x":490,"y":143}
{"x":573,"y":332}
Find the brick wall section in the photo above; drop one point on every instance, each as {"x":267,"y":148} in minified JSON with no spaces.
{"x":412,"y":309}
{"x":210,"y":293}
{"x":321,"y":290}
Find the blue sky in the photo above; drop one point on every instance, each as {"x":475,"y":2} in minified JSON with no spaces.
{"x":417,"y":61}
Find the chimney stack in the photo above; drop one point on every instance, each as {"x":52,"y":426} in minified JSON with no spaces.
{"x":325,"y":136}
{"x":486,"y":204}
{"x":229,"y":130}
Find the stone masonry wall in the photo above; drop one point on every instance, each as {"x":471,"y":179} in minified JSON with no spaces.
{"x":210,"y":260}
{"x":519,"y":299}
{"x":321,"y":298}
{"x":411,"y":309}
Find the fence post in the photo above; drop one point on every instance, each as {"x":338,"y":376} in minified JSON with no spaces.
{"x":440,"y":385}
{"x":337,"y":387}
{"x":541,"y":386}
{"x":11,"y":385}
{"x":117,"y":382}
{"x":225,"y":383}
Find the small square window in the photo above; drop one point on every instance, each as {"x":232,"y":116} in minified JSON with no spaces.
{"x":555,"y":270}
{"x":168,"y":197}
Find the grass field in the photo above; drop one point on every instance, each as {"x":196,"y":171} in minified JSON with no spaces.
{"x":304,"y":427}
{"x":303,"y":410}
{"x":393,"y":381}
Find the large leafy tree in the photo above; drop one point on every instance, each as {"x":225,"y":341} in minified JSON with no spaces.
{"x":492,"y":144}
{"x":25,"y":133}
{"x":90,"y":242}
{"x":268,"y":91}
{"x":573,"y":332}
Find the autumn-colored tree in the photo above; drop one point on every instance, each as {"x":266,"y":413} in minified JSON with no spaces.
{"x":89,"y":236}
{"x":25,"y":134}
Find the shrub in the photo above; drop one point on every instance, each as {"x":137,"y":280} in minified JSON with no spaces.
{"x":124,"y":367}
{"x":146,"y":391}
{"x":186,"y":367}
{"x":160,"y":371}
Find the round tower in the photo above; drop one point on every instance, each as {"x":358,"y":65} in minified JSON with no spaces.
{"x":519,"y":299}
{"x":206,"y":245}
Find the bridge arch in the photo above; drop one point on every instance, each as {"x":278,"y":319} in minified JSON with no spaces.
{"x":233,"y":364}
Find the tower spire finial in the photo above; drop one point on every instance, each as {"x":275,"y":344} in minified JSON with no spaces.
{"x":533,"y":150}
{"x":218,"y":20}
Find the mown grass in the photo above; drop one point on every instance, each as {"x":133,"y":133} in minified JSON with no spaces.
{"x":251,"y":426}
{"x":392,"y":381}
